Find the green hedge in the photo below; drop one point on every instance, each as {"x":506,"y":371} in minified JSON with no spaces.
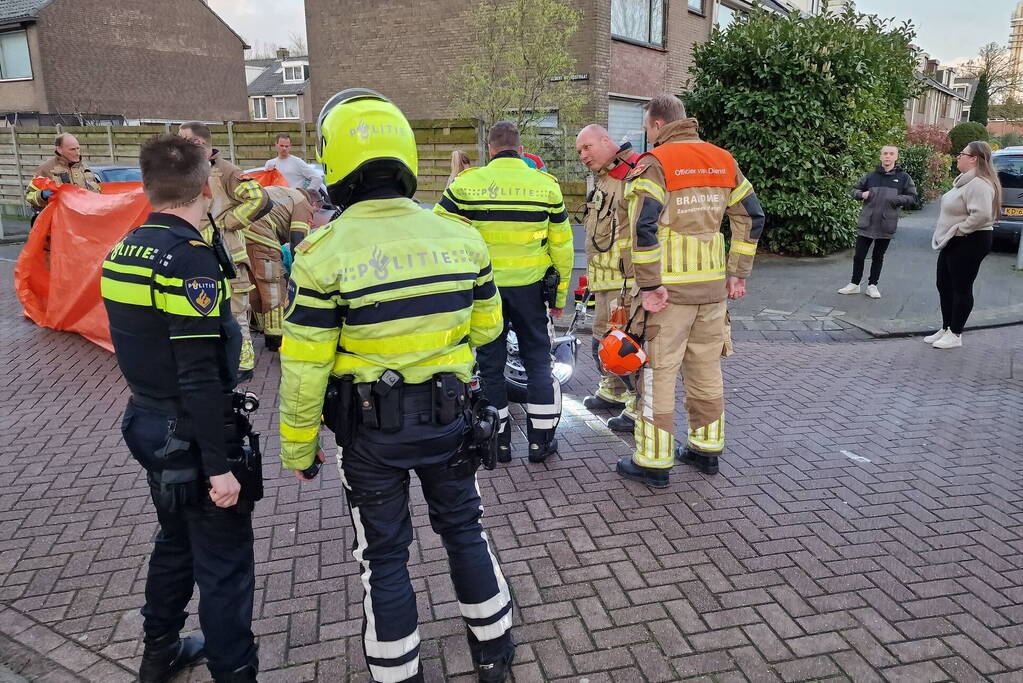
{"x":804,"y":104}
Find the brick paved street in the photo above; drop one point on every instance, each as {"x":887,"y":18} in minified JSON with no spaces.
{"x":867,"y":525}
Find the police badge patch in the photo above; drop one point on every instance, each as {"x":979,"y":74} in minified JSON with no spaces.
{"x":201,"y":292}
{"x":289,"y":306}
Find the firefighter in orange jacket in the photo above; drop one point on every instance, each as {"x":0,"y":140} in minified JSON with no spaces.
{"x":608,"y":272}
{"x":677,"y":196}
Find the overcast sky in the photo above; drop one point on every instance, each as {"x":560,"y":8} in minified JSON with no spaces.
{"x":947,"y":29}
{"x":262,"y":22}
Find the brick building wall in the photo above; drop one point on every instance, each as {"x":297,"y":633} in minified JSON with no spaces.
{"x":144,"y":59}
{"x":408,"y":50}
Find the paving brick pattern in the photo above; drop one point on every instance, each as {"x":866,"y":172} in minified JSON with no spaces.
{"x":867,"y":525}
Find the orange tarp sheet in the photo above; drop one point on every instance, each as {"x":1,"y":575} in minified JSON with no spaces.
{"x":59,"y":288}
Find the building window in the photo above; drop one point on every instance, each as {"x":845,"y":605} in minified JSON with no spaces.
{"x":625,"y":123}
{"x":696,"y":6}
{"x":296,"y":73}
{"x":14,"y":57}
{"x":286,"y":107}
{"x":258,"y":108}
{"x":641,"y":21}
{"x":726,"y":16}
{"x":921,"y":104}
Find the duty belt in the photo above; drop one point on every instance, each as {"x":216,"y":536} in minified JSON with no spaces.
{"x":164,"y":405}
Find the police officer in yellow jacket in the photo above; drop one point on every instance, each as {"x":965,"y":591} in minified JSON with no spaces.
{"x":521,"y":214}
{"x":678,"y":195}
{"x":237,"y":202}
{"x":608,"y":269}
{"x":388,"y":302}
{"x":65,"y":168}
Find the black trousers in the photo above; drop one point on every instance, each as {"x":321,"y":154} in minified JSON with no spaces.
{"x":876,"y":259}
{"x":375,"y":473}
{"x":525,"y":311}
{"x":199,"y":543}
{"x":958,"y":265}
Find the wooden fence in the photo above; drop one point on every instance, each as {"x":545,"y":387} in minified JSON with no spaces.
{"x":246,"y":144}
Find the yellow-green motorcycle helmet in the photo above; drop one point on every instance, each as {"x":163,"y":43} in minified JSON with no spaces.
{"x":361,"y":133}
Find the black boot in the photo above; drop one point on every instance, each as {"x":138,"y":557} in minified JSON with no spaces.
{"x":705,"y":462}
{"x":504,"y":442}
{"x":244,"y":376}
{"x":272,"y":343}
{"x":594,"y":402}
{"x":491,"y":668}
{"x":246,"y":674}
{"x":538,"y":452}
{"x":621,"y":423}
{"x":169,"y":654}
{"x":656,"y":478}
{"x":496,"y":671}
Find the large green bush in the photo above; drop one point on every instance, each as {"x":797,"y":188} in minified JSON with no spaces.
{"x":929,"y":170}
{"x":965,"y":133}
{"x":1009,"y":140}
{"x":804,"y":104}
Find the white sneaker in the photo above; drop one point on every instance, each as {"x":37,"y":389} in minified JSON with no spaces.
{"x":850,"y":289}
{"x":873,"y":292}
{"x":931,"y":338}
{"x":949,"y":341}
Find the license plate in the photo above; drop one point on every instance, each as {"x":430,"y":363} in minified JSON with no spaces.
{"x":1014,"y":212}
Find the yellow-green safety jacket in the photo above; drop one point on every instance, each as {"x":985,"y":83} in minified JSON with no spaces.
{"x":387,"y":285}
{"x":521,"y":214}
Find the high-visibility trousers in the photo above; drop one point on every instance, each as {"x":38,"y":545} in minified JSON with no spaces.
{"x":269,"y":295}
{"x":690,"y":338}
{"x":240,"y":309}
{"x":612,"y":387}
{"x":375,"y":474}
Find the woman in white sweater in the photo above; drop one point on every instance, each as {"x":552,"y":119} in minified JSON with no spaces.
{"x":963,"y":238}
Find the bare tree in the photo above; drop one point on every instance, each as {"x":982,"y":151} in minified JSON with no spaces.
{"x":1004,"y":79}
{"x":298,"y":44}
{"x":508,"y":76}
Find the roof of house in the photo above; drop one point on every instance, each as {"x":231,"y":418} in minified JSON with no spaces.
{"x":935,"y":85}
{"x":265,"y":62}
{"x":15,"y":10}
{"x":271,"y":81}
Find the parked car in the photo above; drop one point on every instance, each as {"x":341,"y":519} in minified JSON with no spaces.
{"x":118,"y":174}
{"x":1009,"y":224}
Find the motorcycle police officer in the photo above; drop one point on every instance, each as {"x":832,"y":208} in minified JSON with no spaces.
{"x":388,"y":301}
{"x":177,"y":344}
{"x":521,"y":214}
{"x":608,"y":269}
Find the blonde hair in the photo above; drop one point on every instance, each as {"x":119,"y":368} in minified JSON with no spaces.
{"x":986,"y":169}
{"x":459,"y":162}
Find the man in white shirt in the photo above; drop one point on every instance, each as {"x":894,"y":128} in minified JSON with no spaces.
{"x":297,"y":172}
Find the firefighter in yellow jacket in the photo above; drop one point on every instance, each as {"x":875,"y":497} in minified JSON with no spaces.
{"x":608,"y":268}
{"x":237,"y":202}
{"x":677,"y":196}
{"x":65,"y":168}
{"x":289,"y":221}
{"x":389,"y":302}
{"x":521,"y":214}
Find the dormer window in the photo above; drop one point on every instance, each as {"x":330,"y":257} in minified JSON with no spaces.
{"x":296,"y":72}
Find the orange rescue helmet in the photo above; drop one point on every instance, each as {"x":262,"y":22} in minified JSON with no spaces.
{"x":620,"y":353}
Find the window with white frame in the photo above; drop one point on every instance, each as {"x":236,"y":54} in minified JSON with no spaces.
{"x":14,"y":56}
{"x":638,"y":20}
{"x":295,"y":73}
{"x":286,"y":107}
{"x":726,"y":15}
{"x":258,"y":108}
{"x":625,"y":122}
